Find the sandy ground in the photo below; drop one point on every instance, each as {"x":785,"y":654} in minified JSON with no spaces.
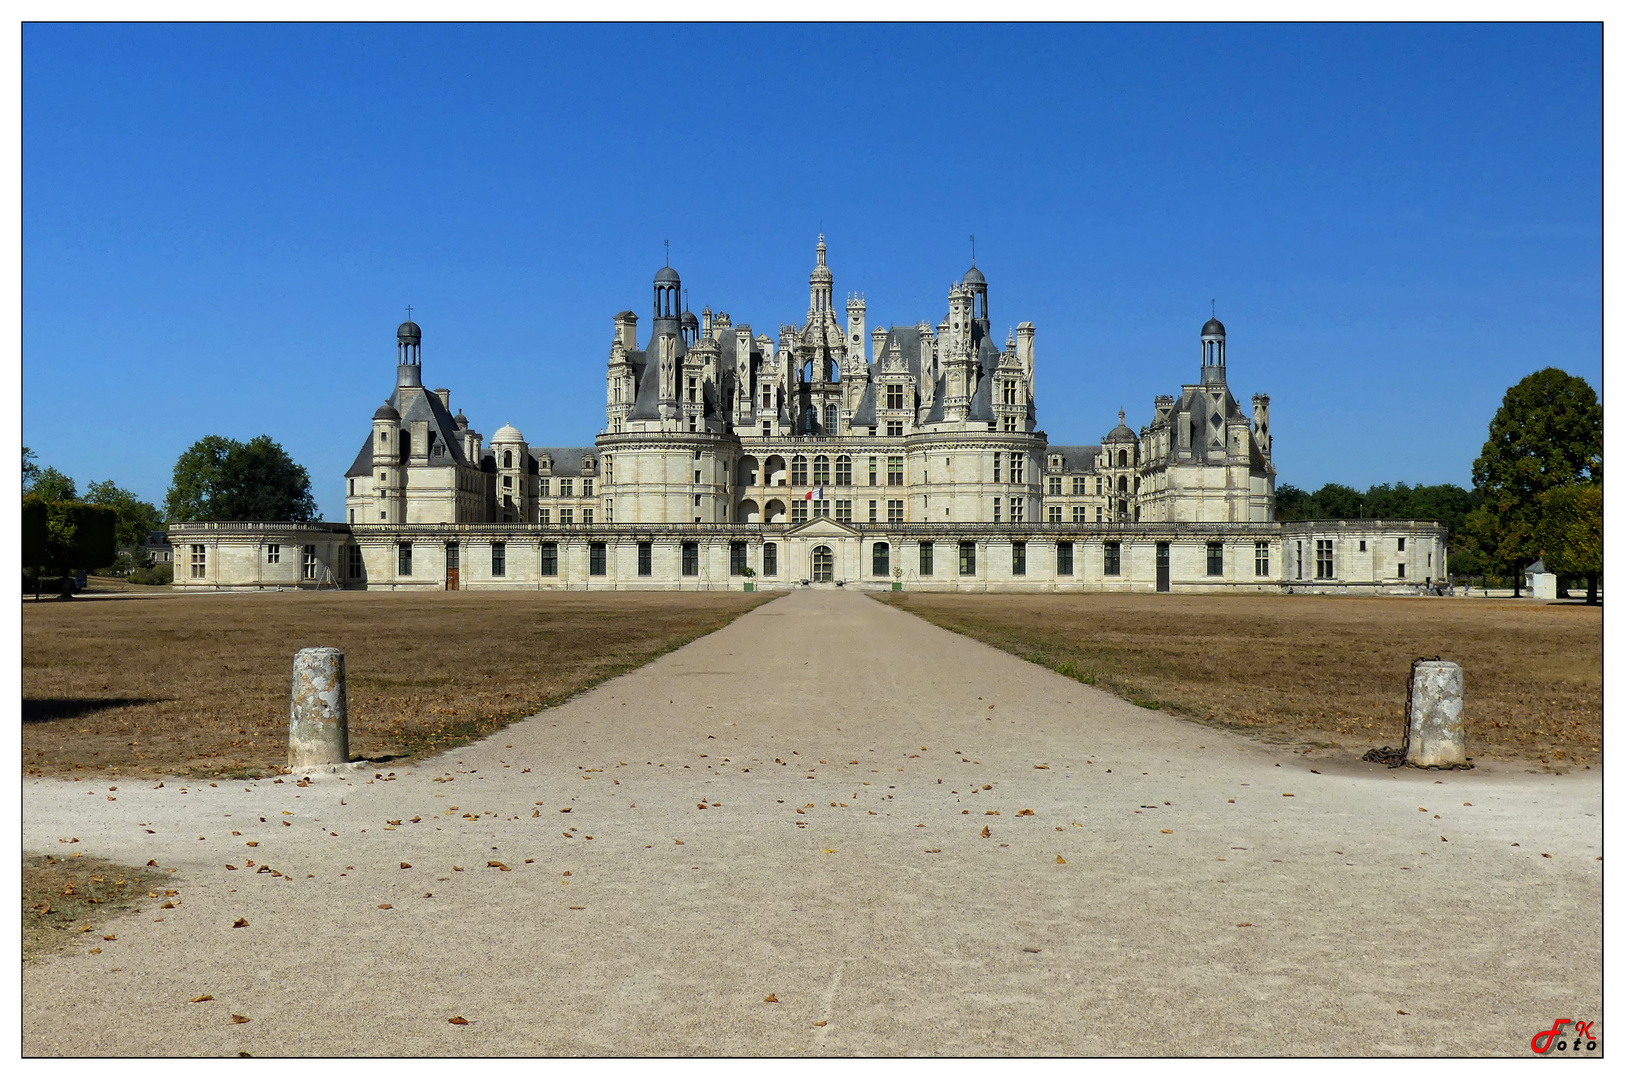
{"x":880,"y":918}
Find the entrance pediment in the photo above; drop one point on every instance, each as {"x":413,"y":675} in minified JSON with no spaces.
{"x":822,"y":526}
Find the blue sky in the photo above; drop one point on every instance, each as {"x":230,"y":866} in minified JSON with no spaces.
{"x":222,"y":224}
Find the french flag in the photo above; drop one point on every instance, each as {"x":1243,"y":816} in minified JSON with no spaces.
{"x":815,"y":493}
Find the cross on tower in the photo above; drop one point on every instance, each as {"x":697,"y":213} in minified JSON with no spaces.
{"x":668,"y":252}
{"x":408,"y":312}
{"x":973,"y":249}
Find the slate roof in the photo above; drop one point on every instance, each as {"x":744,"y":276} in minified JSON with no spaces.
{"x":566,"y":459}
{"x":1075,"y":459}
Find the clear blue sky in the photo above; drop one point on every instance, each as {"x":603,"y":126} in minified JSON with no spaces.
{"x":222,"y":224}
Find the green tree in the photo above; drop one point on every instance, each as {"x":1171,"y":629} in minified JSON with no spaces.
{"x":136,"y":517}
{"x":1338,"y":501}
{"x":1546,"y":434}
{"x":221,"y":479}
{"x":1295,"y":504}
{"x":30,"y":470}
{"x":54,"y":486}
{"x":1570,"y":533}
{"x":61,"y":537}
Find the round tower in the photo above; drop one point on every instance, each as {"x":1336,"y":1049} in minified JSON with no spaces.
{"x":821,"y":283}
{"x":1213,"y":353}
{"x":409,"y":354}
{"x":389,"y":469}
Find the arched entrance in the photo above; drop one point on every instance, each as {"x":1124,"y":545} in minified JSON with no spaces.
{"x":823,"y":562}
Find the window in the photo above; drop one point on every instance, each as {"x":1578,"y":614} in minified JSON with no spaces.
{"x":646,"y":559}
{"x":1018,"y":558}
{"x":820,"y":475}
{"x":996,"y":513}
{"x":770,"y":560}
{"x":928,"y":558}
{"x":798,"y":470}
{"x":544,"y":516}
{"x":696,"y":500}
{"x":597,"y":558}
{"x":1215,"y":558}
{"x":586,"y":489}
{"x":691,"y":558}
{"x":1097,"y":488}
{"x":798,"y":512}
{"x":507,"y":481}
{"x":872,"y":466}
{"x":1122,"y":459}
{"x":1362,"y":545}
{"x":403,"y":559}
{"x":1323,"y":558}
{"x":358,"y":568}
{"x":586,"y":516}
{"x":352,"y":485}
{"x":309,"y":569}
{"x":767,"y":429}
{"x":1401,"y":570}
{"x":609,"y":470}
{"x":882,"y":560}
{"x":567,"y":516}
{"x":273,"y":553}
{"x":609,"y":511}
{"x":1099,"y":514}
{"x":507,"y":459}
{"x":820,"y":508}
{"x":544,"y":488}
{"x":1402,"y":548}
{"x":967,"y":558}
{"x":1078,"y":514}
{"x":874,"y":511}
{"x":738,"y":558}
{"x":894,"y":511}
{"x":549,"y":559}
{"x":894,"y":395}
{"x":1261,"y":558}
{"x":1010,"y":423}
{"x":1114,"y":559}
{"x":1054,"y":515}
{"x":1077,"y":486}
{"x":1018,"y":510}
{"x":894,"y":471}
{"x":566,"y":487}
{"x":1018,"y":464}
{"x":894,"y":429}
{"x":831,"y":418}
{"x":499,"y":558}
{"x":1055,"y":485}
{"x":843,"y":510}
{"x":1063,"y":559}
{"x":843,"y":471}
{"x":767,"y":397}
{"x":998,"y":467}
{"x":198,"y":560}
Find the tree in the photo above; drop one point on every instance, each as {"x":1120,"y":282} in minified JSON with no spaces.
{"x":63,"y":536}
{"x":1546,"y":434}
{"x":136,"y":517}
{"x":222,"y":479}
{"x":54,"y":486}
{"x":1570,"y":533}
{"x":30,"y":470}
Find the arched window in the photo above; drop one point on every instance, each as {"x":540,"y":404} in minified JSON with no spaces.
{"x":1122,"y":483}
{"x":843,"y":471}
{"x":831,"y":419}
{"x":1122,"y":459}
{"x":507,"y":459}
{"x":820,"y":470}
{"x":882,"y":560}
{"x":798,"y":469}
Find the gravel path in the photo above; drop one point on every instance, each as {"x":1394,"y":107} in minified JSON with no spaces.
{"x":657,"y":881}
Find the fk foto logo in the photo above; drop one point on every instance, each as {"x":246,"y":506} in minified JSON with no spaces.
{"x":1546,"y":1041}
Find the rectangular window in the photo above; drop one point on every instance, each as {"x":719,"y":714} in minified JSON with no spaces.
{"x":882,"y":560}
{"x":1018,"y":558}
{"x":544,"y":516}
{"x":309,"y":569}
{"x":1054,"y":515}
{"x":928,"y":558}
{"x":198,"y":560}
{"x":1055,"y":485}
{"x":549,"y":559}
{"x":843,"y":510}
{"x":821,"y":508}
{"x":894,"y":429}
{"x":1077,"y":515}
{"x":1097,"y":489}
{"x":403,"y":559}
{"x":696,"y":480}
{"x":1402,"y":548}
{"x":1215,"y":558}
{"x":1114,"y":559}
{"x":567,"y":516}
{"x":1362,"y":545}
{"x":609,"y":511}
{"x":894,"y":395}
{"x":1323,"y":558}
{"x":1401,"y":570}
{"x":544,"y":488}
{"x":358,"y":568}
{"x":691,"y":559}
{"x":646,"y":559}
{"x":1018,"y":510}
{"x":586,"y":515}
{"x":597,"y":558}
{"x":798,"y":512}
{"x":1010,"y":423}
{"x":1098,"y":512}
{"x":998,"y":466}
{"x":873,"y":464}
{"x":566,"y":487}
{"x":1077,"y":486}
{"x":894,"y":471}
{"x":507,"y":481}
{"x":1018,"y":466}
{"x":738,"y":558}
{"x":967,"y":558}
{"x":843,"y":471}
{"x":696,"y":501}
{"x":770,"y":560}
{"x":273,"y":554}
{"x":586,"y":489}
{"x":1261,"y":558}
{"x":996,"y":512}
{"x":874,"y":511}
{"x":767,"y":429}
{"x":499,"y":558}
{"x":798,"y":470}
{"x":894,"y":511}
{"x":1063,"y":558}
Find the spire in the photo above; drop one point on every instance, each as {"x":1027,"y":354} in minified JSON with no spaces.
{"x":821,"y":249}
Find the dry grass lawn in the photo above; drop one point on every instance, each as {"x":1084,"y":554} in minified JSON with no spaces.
{"x":158,"y":684}
{"x":1314,"y":671}
{"x":66,"y":901}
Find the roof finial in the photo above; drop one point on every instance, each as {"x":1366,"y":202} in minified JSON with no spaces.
{"x":408,"y":312}
{"x":1120,"y":414}
{"x":1213,"y":309}
{"x":973,"y":249}
{"x":668,"y":252}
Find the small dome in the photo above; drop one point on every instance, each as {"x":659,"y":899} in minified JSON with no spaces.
{"x":974,"y":276}
{"x":1213,"y":328}
{"x":409,"y":331}
{"x":1121,"y":431}
{"x":666,"y":276}
{"x":386,"y":411}
{"x":507,"y":433}
{"x":688,"y":319}
{"x":462,"y":421}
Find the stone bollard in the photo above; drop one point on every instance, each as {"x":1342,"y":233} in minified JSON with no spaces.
{"x":318,"y":714}
{"x":1438,"y":735}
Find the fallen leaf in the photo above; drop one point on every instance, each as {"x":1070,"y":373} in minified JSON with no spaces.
{"x":1029,"y":948}
{"x":97,"y":949}
{"x":1288,"y":795}
{"x":819,"y":1023}
{"x":253,"y":843}
{"x":1024,"y":813}
{"x":986,"y":832}
{"x":1244,"y":924}
{"x":236,"y":1019}
{"x":202,"y":997}
{"x":239,"y":924}
{"x":385,"y":907}
{"x":774,"y":998}
{"x":406,"y":866}
{"x":1402,"y":1012}
{"x":578,"y":909}
{"x":1060,"y":861}
{"x":458,"y":1020}
{"x":1167,"y":830}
